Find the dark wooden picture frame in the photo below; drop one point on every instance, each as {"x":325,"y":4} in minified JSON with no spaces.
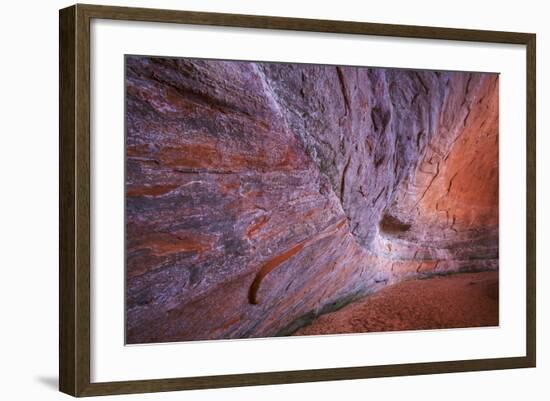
{"x":74,"y":203}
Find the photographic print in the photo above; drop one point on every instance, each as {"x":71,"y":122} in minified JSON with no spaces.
{"x":267,"y":199}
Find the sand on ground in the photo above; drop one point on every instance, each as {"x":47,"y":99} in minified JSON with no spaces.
{"x":454,"y":301}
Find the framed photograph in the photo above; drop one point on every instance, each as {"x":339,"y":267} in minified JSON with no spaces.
{"x":250,"y":200}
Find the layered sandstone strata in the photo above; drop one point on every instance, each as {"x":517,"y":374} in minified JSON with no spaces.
{"x":260,"y":195}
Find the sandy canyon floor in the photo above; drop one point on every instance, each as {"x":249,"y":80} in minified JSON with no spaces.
{"x":455,"y":301}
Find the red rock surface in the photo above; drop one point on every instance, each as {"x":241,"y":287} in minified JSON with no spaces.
{"x":455,"y":301}
{"x":261,"y":195}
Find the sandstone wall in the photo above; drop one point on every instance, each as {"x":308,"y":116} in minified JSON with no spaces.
{"x":262,"y":194}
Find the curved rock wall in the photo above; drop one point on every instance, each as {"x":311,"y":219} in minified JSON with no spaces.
{"x":259,"y":195}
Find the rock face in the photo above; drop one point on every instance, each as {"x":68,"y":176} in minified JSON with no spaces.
{"x":260,"y":195}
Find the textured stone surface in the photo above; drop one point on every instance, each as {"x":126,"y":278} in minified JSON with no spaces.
{"x":260,"y":195}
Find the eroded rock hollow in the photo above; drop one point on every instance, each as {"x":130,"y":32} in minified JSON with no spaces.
{"x":262,"y":195}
